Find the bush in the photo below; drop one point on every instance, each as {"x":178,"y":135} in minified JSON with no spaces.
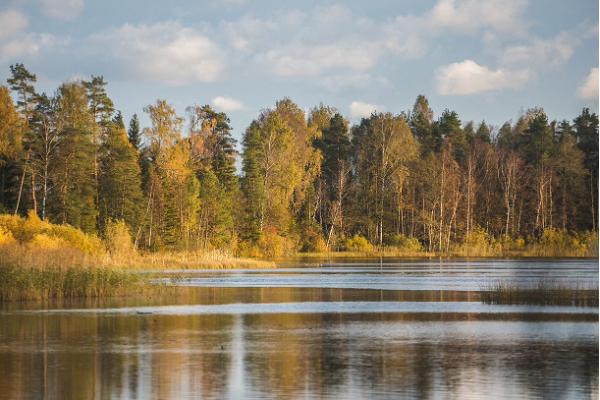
{"x":273,"y":245}
{"x":118,"y":240}
{"x":559,"y":243}
{"x":312,"y":240}
{"x":406,"y":243}
{"x":33,"y":231}
{"x":6,"y":237}
{"x":44,"y":241}
{"x":77,"y":239}
{"x":478,"y":243}
{"x":358,"y":243}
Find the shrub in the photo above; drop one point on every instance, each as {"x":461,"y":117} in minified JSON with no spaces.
{"x":44,"y":241}
{"x":75,"y":238}
{"x":118,"y":240}
{"x":358,"y":243}
{"x":478,"y":243}
{"x":273,"y":245}
{"x":312,"y":240}
{"x":406,"y":243}
{"x":6,"y":237}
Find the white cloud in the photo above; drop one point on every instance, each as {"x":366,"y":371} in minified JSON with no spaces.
{"x":12,"y":22}
{"x":62,"y":9}
{"x":16,"y":43}
{"x":165,"y":52}
{"x":589,"y":89}
{"x":555,"y":51}
{"x":27,"y":45}
{"x":469,"y":16}
{"x":326,"y":41}
{"x":468,"y":77}
{"x":226,"y":104}
{"x":359,"y":109}
{"x":304,"y":61}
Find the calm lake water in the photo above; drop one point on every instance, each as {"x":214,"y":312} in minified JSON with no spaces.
{"x":362,"y":329}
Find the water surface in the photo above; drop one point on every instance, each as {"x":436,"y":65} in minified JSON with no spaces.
{"x":340,"y":330}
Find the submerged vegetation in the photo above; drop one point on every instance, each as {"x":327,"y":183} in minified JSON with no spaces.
{"x":544,"y":293}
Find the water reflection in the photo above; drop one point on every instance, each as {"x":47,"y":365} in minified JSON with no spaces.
{"x":58,"y":356}
{"x":432,"y":344}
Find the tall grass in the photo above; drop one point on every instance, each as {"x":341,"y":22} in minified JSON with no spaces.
{"x":544,"y":293}
{"x":66,"y":283}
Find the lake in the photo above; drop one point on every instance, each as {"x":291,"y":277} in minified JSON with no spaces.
{"x":377,"y":329}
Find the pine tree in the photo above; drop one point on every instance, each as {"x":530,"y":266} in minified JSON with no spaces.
{"x":22,"y":82}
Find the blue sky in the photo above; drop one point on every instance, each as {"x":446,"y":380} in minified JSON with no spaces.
{"x":485,"y":59}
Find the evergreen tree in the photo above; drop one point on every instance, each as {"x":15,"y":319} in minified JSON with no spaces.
{"x":134,"y":133}
{"x":335,"y":169}
{"x":421,"y":123}
{"x":449,"y":128}
{"x":118,"y":120}
{"x":75,"y":193}
{"x":101,"y":106}
{"x":120,"y":180}
{"x":22,"y":82}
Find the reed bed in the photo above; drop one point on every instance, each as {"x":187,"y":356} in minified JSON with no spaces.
{"x":544,"y":293}
{"x":202,"y":259}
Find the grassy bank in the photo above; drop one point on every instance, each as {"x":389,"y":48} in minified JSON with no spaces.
{"x":544,"y":293}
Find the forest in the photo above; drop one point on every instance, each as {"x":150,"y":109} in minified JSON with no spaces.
{"x":413,"y":181}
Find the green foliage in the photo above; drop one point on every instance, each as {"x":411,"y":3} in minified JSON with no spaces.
{"x":75,"y":193}
{"x":134,"y":134}
{"x":306,"y":183}
{"x":120,"y":191}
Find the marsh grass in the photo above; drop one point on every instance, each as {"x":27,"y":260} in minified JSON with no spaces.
{"x":544,"y":293}
{"x":203,"y":259}
{"x":66,"y":283}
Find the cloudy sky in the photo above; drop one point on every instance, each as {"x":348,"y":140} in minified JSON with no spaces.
{"x":485,"y":59}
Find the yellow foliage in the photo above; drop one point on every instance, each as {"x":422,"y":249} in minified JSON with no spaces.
{"x":358,"y":243}
{"x":273,"y":245}
{"x":44,"y":241}
{"x":77,"y":239}
{"x":6,"y":237}
{"x":117,"y":239}
{"x":407,"y":243}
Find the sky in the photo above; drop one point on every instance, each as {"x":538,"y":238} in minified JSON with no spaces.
{"x":488,"y":60}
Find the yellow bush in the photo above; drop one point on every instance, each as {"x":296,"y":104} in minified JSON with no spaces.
{"x":77,"y":239}
{"x":11,"y":223}
{"x":478,"y":243}
{"x":31,"y":226}
{"x":117,"y":239}
{"x":358,"y":243}
{"x":407,"y":243}
{"x":6,"y":237}
{"x":44,"y":241}
{"x":273,"y":245}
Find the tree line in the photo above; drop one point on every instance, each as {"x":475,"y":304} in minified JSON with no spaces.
{"x":307,"y":182}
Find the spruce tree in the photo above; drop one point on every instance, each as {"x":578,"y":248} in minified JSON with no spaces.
{"x":120,"y":180}
{"x":134,"y":134}
{"x":75,"y":192}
